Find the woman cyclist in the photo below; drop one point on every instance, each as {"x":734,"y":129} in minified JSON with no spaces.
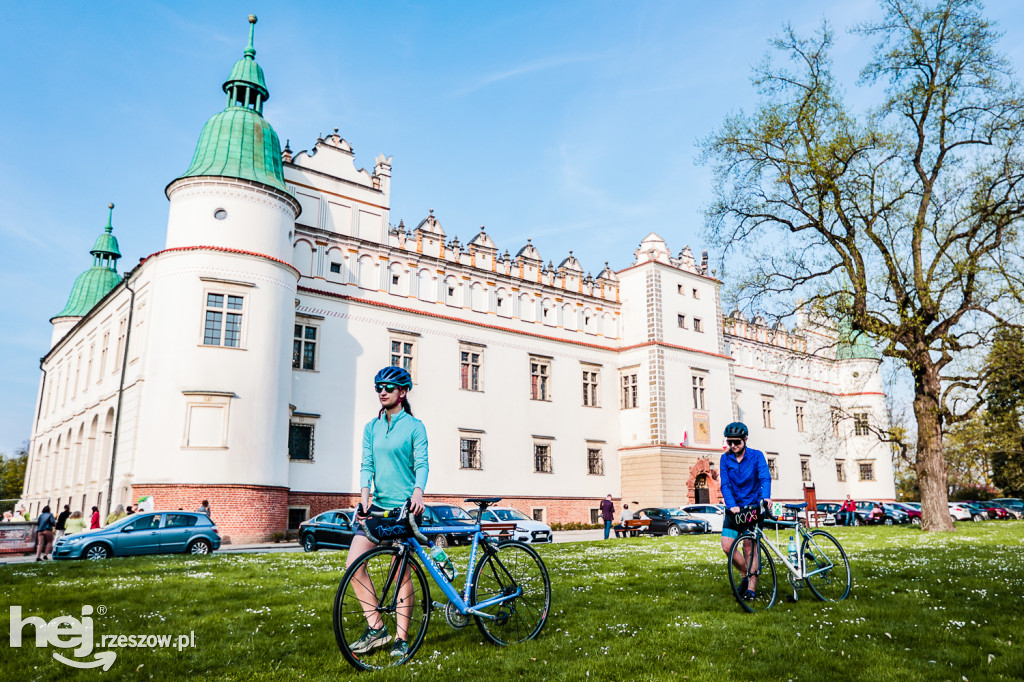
{"x":395,"y":461}
{"x":746,"y":481}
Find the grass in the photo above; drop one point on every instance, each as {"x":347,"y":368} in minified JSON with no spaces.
{"x":923,"y":607}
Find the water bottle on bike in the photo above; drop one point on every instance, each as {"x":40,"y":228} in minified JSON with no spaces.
{"x":792,"y":551}
{"x":444,"y":564}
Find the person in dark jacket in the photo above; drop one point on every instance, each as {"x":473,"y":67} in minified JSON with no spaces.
{"x":607,"y":514}
{"x":58,"y":531}
{"x":44,"y":534}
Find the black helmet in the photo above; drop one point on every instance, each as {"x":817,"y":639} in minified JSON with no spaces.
{"x":393,"y":375}
{"x":736,"y":430}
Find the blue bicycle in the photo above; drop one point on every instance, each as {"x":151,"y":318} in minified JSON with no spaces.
{"x":384,"y":595}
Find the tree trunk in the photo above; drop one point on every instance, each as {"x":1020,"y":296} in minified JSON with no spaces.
{"x":930,"y":465}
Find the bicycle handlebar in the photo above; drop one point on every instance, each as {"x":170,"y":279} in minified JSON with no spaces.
{"x":404,"y":515}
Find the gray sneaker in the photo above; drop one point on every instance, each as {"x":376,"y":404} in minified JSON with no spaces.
{"x":399,"y":649}
{"x":370,"y":640}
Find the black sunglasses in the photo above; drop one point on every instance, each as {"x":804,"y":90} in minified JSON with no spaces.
{"x":385,"y":387}
{"x":734,"y":441}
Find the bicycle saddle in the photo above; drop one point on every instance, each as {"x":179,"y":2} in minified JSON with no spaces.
{"x":483,"y":502}
{"x":796,"y":507}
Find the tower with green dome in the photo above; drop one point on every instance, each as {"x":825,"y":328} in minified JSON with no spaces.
{"x":238,"y":142}
{"x":96,"y":282}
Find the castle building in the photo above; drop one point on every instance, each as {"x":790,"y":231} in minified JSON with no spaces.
{"x":236,"y":364}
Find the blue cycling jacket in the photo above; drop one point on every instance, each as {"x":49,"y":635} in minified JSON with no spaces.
{"x":394,"y":458}
{"x":747,"y":482}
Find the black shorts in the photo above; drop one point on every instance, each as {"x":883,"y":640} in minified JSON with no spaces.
{"x":731,"y":529}
{"x":376,"y":521}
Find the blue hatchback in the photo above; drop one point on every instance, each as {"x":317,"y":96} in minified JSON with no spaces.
{"x":166,"y":532}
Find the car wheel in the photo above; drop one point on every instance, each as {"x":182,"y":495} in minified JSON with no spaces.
{"x":675,"y":530}
{"x":96,"y":552}
{"x":440,"y":541}
{"x":199,"y":546}
{"x":976,"y":517}
{"x":888,"y":521}
{"x":916,"y":520}
{"x":952,"y":518}
{"x":309,"y":543}
{"x":858,"y":522}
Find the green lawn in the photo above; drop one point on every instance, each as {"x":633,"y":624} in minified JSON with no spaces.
{"x":923,"y":607}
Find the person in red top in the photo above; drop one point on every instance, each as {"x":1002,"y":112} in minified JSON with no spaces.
{"x":95,"y":522}
{"x":848,"y":510}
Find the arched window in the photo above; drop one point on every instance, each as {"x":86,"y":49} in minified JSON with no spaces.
{"x":426,"y":285}
{"x":367,"y":273}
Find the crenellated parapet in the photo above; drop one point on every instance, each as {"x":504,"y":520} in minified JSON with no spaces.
{"x":757,"y":329}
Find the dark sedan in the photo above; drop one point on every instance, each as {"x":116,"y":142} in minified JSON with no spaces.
{"x":672,"y":522}
{"x":448,"y":515}
{"x":145,"y":533}
{"x":331,"y":530}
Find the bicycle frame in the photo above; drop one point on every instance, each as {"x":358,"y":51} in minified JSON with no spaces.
{"x":461,"y":602}
{"x":798,"y":571}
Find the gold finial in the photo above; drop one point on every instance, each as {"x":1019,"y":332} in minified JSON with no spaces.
{"x":110,"y":205}
{"x":252,"y":18}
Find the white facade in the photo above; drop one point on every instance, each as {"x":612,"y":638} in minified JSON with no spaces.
{"x":236,"y":365}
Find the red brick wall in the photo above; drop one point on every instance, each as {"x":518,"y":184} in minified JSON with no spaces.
{"x":557,"y":509}
{"x":243,"y":513}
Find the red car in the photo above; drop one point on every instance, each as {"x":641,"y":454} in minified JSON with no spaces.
{"x":914,"y":514}
{"x":991,"y":510}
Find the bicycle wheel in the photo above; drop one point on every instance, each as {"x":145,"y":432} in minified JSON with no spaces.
{"x":760,"y":572}
{"x":371,"y":591}
{"x":512,"y":566}
{"x":822,"y":551}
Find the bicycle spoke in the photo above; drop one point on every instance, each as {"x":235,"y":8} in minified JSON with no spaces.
{"x":830,"y":578}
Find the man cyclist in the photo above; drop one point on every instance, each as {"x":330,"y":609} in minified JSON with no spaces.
{"x":746,"y":481}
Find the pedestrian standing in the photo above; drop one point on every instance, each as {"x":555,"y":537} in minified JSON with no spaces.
{"x":118,"y":513}
{"x":75,"y":524}
{"x":44,"y":534}
{"x":607,"y":514}
{"x":94,"y":520}
{"x":129,"y":511}
{"x":61,"y":520}
{"x":848,"y":510}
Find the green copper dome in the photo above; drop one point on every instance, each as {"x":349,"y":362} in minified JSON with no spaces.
{"x":238,"y":142}
{"x":97,"y":281}
{"x":854,"y":345}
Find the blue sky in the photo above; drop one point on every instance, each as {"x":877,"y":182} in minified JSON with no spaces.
{"x":573,"y":123}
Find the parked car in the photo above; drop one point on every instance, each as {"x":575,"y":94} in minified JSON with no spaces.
{"x":990,"y":510}
{"x":672,"y":522}
{"x":331,"y":530}
{"x":714,"y":514}
{"x":447,"y":515}
{"x":146,"y":533}
{"x":827,"y":512}
{"x":890,"y":514}
{"x":914,"y":514}
{"x":1013,"y":504}
{"x":960,"y":512}
{"x":527,"y":529}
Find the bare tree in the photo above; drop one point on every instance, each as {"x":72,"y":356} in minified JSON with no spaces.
{"x":904,"y":223}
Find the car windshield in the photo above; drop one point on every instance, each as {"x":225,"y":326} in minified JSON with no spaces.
{"x":678,"y":512}
{"x":449,"y":513}
{"x":123,"y":520}
{"x":511,"y":515}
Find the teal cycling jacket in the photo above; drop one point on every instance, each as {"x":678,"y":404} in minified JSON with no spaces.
{"x":394,"y":459}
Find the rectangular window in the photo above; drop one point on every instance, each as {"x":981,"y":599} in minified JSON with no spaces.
{"x":595,"y":516}
{"x":799,"y":409}
{"x":629,"y":399}
{"x":469,"y":453}
{"x":336,"y":268}
{"x":867,"y":471}
{"x":300,"y":441}
{"x":88,"y":367}
{"x":766,"y":412}
{"x":680,"y":289}
{"x":470,"y":360}
{"x":681,"y":319}
{"x":595,"y":462}
{"x":103,"y":355}
{"x":540,"y":375}
{"x":296,"y":515}
{"x":773,"y":469}
{"x":403,"y":354}
{"x":304,"y":347}
{"x":840,"y":470}
{"x":860,"y":424}
{"x":539,"y":514}
{"x":698,"y":324}
{"x":590,"y":377}
{"x":223,"y":323}
{"x":542,"y":458}
{"x":696,"y":293}
{"x":836,"y":418}
{"x":121,"y":327}
{"x":805,"y":468}
{"x":698,"y":392}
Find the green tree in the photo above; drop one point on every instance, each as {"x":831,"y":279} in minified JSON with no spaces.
{"x":903,"y":222}
{"x":1004,"y":415}
{"x":12,"y":473}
